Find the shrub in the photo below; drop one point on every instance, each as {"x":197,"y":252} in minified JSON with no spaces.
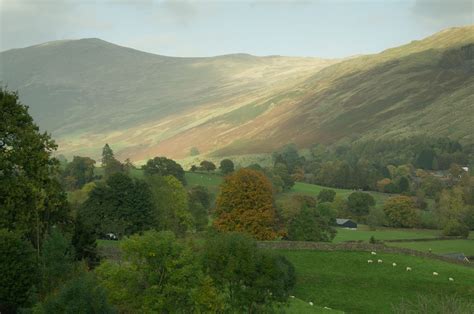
{"x":456,"y":228}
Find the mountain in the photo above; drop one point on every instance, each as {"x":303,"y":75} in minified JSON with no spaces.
{"x":88,"y":92}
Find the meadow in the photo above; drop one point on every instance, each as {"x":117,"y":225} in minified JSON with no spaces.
{"x":363,"y":233}
{"x":440,"y":246}
{"x":345,"y":281}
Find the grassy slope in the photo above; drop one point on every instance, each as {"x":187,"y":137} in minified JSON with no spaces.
{"x":364,"y":234}
{"x":440,"y":247}
{"x":344,"y":280}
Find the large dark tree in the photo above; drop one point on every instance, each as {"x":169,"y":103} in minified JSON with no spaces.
{"x":226,"y":166}
{"x":109,"y":163}
{"x":78,"y":172}
{"x":17,"y":271}
{"x":163,"y":166}
{"x":31,"y":199}
{"x":359,"y":203}
{"x":122,"y":206}
{"x":208,"y":165}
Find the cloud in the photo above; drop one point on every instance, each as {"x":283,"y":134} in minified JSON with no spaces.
{"x":442,"y":10}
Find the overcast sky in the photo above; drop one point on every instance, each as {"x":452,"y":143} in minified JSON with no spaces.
{"x":332,"y":28}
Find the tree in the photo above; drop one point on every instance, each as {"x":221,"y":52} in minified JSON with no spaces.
{"x":121,"y":206}
{"x":57,"y":260}
{"x":227,"y":166}
{"x":163,"y":166}
{"x":452,"y":212}
{"x":193,"y":168}
{"x":17,"y":271}
{"x":84,"y":243}
{"x":310,"y":225}
{"x":281,"y":170}
{"x":109,"y":163}
{"x":359,"y":203}
{"x":326,"y":195}
{"x":31,"y":199}
{"x":251,"y":280}
{"x":170,"y":199}
{"x":157,"y":275}
{"x":245,"y":204}
{"x":208,"y":165}
{"x":78,"y":172}
{"x":199,"y":204}
{"x":401,"y":212}
{"x":82,"y":294}
{"x":403,"y":185}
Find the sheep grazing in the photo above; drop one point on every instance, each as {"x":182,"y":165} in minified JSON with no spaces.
{"x":379,"y":261}
{"x":373,"y":253}
{"x":451,"y":279}
{"x":310,"y":303}
{"x":369,"y":261}
{"x":435,"y":273}
{"x":408,"y":268}
{"x":327,"y":308}
{"x":394,"y":264}
{"x":292,"y":296}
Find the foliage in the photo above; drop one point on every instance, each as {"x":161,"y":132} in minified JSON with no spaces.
{"x":81,"y":295}
{"x":245,"y":204}
{"x":57,"y":260}
{"x":157,"y":274}
{"x":164,"y":167}
{"x":401,"y":212}
{"x":359,"y":203}
{"x":326,"y":195}
{"x":310,"y":225}
{"x":171,"y":211}
{"x":226,"y":166}
{"x":84,"y":243}
{"x":17,"y":271}
{"x":78,"y":172}
{"x":208,"y":165}
{"x":376,"y":217}
{"x":109,"y":163}
{"x":452,"y":212}
{"x":121,"y":206}
{"x":289,"y":157}
{"x":31,"y":199}
{"x":199,"y":204}
{"x":251,"y":280}
{"x":281,"y":171}
{"x":456,"y":228}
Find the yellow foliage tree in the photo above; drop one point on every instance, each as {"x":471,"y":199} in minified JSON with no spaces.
{"x":245,"y":204}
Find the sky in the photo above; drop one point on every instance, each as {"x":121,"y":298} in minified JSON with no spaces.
{"x":328,"y":29}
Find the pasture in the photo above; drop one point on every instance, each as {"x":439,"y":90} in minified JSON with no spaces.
{"x":363,"y":233}
{"x":440,"y":246}
{"x":344,"y":280}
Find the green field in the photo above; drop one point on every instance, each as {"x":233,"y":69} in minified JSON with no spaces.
{"x":363,"y":234}
{"x":440,"y":246}
{"x":313,"y":190}
{"x":209,"y":180}
{"x":345,"y":281}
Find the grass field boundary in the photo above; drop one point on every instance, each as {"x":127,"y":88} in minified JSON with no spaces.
{"x":353,"y":246}
{"x":426,"y":239}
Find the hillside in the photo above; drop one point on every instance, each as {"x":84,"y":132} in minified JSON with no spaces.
{"x":88,"y":92}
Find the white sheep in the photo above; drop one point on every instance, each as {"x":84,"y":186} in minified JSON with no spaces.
{"x":369,"y":261}
{"x":394,"y":264}
{"x":408,"y":268}
{"x":435,"y":273}
{"x":310,"y":303}
{"x":379,"y":261}
{"x":373,"y":253}
{"x":327,"y":308}
{"x":292,"y":296}
{"x":451,"y":279}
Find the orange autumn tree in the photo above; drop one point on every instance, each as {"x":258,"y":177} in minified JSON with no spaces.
{"x":245,"y":204}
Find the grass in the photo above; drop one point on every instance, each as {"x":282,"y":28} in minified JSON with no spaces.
{"x":363,"y":234}
{"x":440,"y":246}
{"x":314,"y":189}
{"x":298,"y":306}
{"x":209,"y":180}
{"x":345,"y":281}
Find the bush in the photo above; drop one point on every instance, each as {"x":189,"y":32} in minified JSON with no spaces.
{"x":326,"y":195}
{"x":17,"y":271}
{"x":82,"y":294}
{"x":456,"y":228}
{"x":310,"y":225}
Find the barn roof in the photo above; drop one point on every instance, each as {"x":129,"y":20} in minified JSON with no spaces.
{"x":341,"y":221}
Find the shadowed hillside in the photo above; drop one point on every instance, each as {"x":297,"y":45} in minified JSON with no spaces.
{"x":88,"y":92}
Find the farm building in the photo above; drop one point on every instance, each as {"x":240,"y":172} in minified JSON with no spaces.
{"x":346,"y":223}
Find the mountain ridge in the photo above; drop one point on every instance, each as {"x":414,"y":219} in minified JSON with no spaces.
{"x":146,"y":105}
